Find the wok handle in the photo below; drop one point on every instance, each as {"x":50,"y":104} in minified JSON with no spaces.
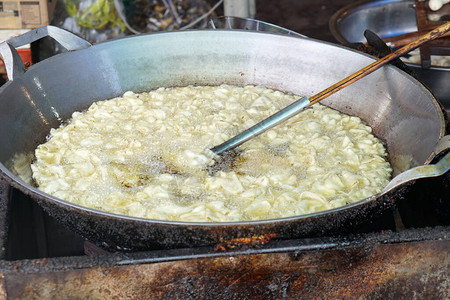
{"x":434,"y":170}
{"x":13,"y":62}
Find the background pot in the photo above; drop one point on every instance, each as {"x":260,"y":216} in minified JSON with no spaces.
{"x":388,"y":19}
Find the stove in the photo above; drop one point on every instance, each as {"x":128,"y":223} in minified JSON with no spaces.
{"x":402,"y":253}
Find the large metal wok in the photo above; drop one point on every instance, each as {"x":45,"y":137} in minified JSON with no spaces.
{"x":401,"y":111}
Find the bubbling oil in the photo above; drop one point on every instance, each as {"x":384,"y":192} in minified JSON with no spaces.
{"x":146,"y":155}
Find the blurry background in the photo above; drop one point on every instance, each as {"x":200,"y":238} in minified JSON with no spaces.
{"x":98,"y":20}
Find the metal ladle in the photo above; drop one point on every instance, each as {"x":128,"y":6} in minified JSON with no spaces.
{"x":304,"y":102}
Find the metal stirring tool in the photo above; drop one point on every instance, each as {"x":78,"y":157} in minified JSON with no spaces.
{"x":304,"y":102}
